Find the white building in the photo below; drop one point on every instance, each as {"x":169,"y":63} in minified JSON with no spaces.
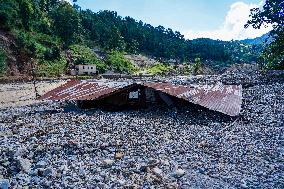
{"x":86,"y":69}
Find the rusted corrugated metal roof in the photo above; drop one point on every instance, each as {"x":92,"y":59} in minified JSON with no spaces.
{"x":84,"y":90}
{"x":222,"y":98}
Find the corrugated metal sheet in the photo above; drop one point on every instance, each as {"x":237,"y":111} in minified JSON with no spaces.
{"x":222,"y":98}
{"x":84,"y":90}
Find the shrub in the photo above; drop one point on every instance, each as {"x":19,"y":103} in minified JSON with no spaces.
{"x":197,"y":67}
{"x":159,"y":69}
{"x":52,"y":53}
{"x":38,"y":45}
{"x":118,"y":62}
{"x":55,"y":68}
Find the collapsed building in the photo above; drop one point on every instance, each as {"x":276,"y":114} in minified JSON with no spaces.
{"x":226,"y":99}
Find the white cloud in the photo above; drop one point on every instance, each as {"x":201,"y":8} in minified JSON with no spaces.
{"x":233,"y":26}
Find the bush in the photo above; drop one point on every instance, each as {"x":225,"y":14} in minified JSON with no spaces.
{"x":159,"y":69}
{"x":52,"y":53}
{"x":55,"y":68}
{"x":85,"y":55}
{"x":118,"y":62}
{"x":197,"y":67}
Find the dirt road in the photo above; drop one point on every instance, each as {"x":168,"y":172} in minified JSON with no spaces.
{"x":19,"y":94}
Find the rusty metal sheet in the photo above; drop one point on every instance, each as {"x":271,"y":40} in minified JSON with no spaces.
{"x":84,"y":90}
{"x":226,"y":99}
{"x":222,"y":98}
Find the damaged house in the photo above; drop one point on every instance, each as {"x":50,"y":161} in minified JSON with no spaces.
{"x":226,"y":99}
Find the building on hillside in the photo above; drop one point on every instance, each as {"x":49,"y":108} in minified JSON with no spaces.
{"x":85,"y":70}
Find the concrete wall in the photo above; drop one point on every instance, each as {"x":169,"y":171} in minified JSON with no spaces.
{"x":86,"y":69}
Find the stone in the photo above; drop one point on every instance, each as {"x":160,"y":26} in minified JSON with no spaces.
{"x":244,"y":184}
{"x":41,"y":164}
{"x":172,"y":186}
{"x":4,"y":184}
{"x":118,"y":155}
{"x":179,"y":172}
{"x":121,"y":182}
{"x":157,"y":171}
{"x":24,"y":164}
{"x":49,"y":172}
{"x":36,"y":179}
{"x":6,"y":163}
{"x":20,"y":152}
{"x":82,"y":171}
{"x":249,"y":147}
{"x":153,"y":162}
{"x":143,"y":167}
{"x":108,"y":162}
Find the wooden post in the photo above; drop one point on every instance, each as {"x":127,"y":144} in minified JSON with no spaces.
{"x":34,"y":78}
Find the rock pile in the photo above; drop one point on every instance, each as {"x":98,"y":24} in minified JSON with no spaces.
{"x":195,"y":148}
{"x":248,"y":76}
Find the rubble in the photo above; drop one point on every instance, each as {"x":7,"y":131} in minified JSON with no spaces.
{"x":194,"y":148}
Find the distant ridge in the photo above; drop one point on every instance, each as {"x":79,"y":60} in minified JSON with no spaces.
{"x":258,"y":40}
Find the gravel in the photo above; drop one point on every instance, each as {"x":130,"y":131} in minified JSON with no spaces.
{"x":44,"y":147}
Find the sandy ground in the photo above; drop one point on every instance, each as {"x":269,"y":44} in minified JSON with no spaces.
{"x":20,"y":94}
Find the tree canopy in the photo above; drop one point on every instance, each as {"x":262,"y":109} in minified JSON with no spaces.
{"x":272,"y":13}
{"x":45,"y":28}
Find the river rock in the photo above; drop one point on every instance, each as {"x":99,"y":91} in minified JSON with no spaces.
{"x":24,"y":164}
{"x":108,"y":162}
{"x":118,"y":155}
{"x":157,"y":171}
{"x":179,"y":172}
{"x":4,"y":184}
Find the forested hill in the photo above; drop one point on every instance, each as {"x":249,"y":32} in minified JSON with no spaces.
{"x":258,"y":40}
{"x":45,"y":30}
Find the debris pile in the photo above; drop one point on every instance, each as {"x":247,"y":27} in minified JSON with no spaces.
{"x":157,"y":148}
{"x":245,"y":77}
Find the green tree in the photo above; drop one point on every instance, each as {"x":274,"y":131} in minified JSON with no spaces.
{"x":272,"y":13}
{"x":26,"y":13}
{"x":66,"y":23}
{"x":197,"y":67}
{"x":9,"y":12}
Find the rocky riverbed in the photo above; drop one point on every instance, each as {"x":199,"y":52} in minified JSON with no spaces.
{"x":45,"y":147}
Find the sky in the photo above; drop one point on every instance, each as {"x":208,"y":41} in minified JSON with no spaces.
{"x":216,"y":19}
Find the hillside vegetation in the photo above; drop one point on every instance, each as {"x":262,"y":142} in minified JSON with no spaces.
{"x":45,"y":31}
{"x":2,"y":61}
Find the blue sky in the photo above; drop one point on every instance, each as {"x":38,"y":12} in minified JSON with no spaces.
{"x":217,"y":19}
